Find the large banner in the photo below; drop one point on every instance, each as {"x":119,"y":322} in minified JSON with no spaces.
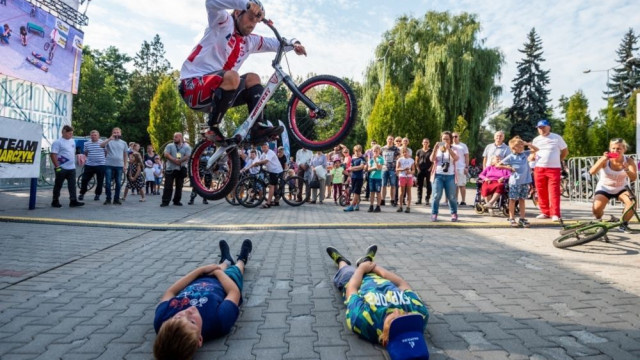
{"x":28,"y":102}
{"x":19,"y":149}
{"x":39,"y":47}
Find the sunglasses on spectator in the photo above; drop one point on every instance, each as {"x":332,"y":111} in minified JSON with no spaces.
{"x":455,"y":136}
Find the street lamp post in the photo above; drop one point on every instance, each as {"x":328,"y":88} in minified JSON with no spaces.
{"x":384,"y":63}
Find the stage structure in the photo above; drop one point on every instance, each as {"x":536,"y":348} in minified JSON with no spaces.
{"x":40,"y":73}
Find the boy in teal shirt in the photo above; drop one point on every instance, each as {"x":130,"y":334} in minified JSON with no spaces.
{"x":381,"y":307}
{"x":375,"y":165}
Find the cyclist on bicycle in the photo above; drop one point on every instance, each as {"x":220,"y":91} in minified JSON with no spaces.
{"x":209,"y":79}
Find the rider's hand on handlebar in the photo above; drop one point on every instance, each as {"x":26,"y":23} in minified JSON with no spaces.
{"x":299,"y":49}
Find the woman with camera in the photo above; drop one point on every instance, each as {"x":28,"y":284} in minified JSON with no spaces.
{"x":443,"y":176}
{"x":615,"y":172}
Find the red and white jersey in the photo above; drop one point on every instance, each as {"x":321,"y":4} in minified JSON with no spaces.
{"x":221,"y":47}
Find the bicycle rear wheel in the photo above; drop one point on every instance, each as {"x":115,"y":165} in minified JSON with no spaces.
{"x":231,"y":198}
{"x":90,"y":184}
{"x":250,"y":192}
{"x":328,"y":127}
{"x":580,"y":236}
{"x":293,"y":190}
{"x":217,"y":181}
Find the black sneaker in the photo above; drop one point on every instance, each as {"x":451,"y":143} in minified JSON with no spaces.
{"x":164,"y":204}
{"x":214,"y":135}
{"x":76,"y":203}
{"x":56,"y":204}
{"x":96,"y":198}
{"x":418,"y":202}
{"x":177,"y":203}
{"x":462,"y":203}
{"x":336,"y":256}
{"x":427,"y":203}
{"x":190,"y":202}
{"x":625,"y":229}
{"x":245,"y":251}
{"x":369,"y":255}
{"x":262,"y":131}
{"x":225,"y":254}
{"x":382,"y":203}
{"x":204,"y":201}
{"x":377,"y":209}
{"x":117,"y":202}
{"x":80,"y":197}
{"x":107,"y":202}
{"x":370,"y":209}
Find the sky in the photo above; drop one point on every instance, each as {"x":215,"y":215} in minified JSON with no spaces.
{"x":341,"y":36}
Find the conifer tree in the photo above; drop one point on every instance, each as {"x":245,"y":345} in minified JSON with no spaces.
{"x":624,"y":80}
{"x":530,"y":93}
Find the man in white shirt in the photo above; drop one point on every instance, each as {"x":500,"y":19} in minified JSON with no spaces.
{"x":209,"y":79}
{"x":303,"y":159}
{"x":63,"y":158}
{"x":552,"y":151}
{"x":497,"y":148}
{"x":274,"y":170}
{"x":462,"y":167}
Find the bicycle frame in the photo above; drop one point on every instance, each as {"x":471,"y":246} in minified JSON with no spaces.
{"x":275,"y":81}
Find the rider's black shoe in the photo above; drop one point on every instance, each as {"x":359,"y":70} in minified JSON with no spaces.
{"x":263,"y":131}
{"x":214,"y":134}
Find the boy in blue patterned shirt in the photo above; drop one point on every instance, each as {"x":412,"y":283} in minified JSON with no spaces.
{"x":381,"y":307}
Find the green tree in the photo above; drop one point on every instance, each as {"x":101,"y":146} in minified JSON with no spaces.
{"x":530,"y":93}
{"x":95,"y":105}
{"x":577,"y":124}
{"x":382,"y":120}
{"x":165,"y":114}
{"x":444,"y":56}
{"x":624,"y":79}
{"x":113,"y":62}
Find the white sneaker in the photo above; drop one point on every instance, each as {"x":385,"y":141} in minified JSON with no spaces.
{"x":492,"y":212}
{"x":542,"y":216}
{"x":555,"y":218}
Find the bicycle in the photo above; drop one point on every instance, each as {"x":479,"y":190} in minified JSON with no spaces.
{"x":252,"y":190}
{"x":320,"y":113}
{"x":583,"y":232}
{"x":92,"y":181}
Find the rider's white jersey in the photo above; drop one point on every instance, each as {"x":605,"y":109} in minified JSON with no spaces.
{"x":221,"y":48}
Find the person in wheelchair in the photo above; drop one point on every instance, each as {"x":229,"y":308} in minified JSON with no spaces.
{"x":492,"y":180}
{"x":615,"y":171}
{"x":209,"y":78}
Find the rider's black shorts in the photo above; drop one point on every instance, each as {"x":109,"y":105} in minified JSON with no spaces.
{"x":610,"y":196}
{"x":273,"y":178}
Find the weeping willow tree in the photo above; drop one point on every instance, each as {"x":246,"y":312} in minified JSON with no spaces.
{"x":440,"y":70}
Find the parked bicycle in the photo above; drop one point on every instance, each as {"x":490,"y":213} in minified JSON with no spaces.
{"x":583,"y":232}
{"x":320,"y":114}
{"x":252,"y":190}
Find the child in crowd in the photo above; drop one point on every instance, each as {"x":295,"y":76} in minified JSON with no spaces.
{"x":405,"y":168}
{"x":336,"y":173}
{"x":517,"y":162}
{"x":376,"y":163}
{"x":149,"y":177}
{"x":23,"y":35}
{"x":253,"y":157}
{"x":358,"y":165}
{"x":6,"y":34}
{"x":157,"y":174}
{"x":202,"y":305}
{"x":135,"y":176}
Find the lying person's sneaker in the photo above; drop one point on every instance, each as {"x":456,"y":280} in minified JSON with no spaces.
{"x":225,"y":253}
{"x":261,"y":130}
{"x":336,"y":256}
{"x":369,"y":255}
{"x":245,"y":251}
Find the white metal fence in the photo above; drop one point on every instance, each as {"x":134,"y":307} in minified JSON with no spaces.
{"x":580,"y":185}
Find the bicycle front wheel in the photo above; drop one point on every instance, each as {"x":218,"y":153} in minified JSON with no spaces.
{"x":580,"y":236}
{"x":217,"y":181}
{"x":294,"y":190}
{"x":327,"y":127}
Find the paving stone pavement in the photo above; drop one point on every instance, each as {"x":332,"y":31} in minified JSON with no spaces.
{"x":69,"y":292}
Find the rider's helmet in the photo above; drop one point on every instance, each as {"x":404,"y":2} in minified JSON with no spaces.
{"x":257,"y":2}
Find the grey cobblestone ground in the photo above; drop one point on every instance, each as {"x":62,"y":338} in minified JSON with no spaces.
{"x":89,"y":293}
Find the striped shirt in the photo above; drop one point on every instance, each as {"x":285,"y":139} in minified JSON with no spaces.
{"x":95,"y":153}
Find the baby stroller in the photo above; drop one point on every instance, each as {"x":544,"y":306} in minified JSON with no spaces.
{"x":501,"y":206}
